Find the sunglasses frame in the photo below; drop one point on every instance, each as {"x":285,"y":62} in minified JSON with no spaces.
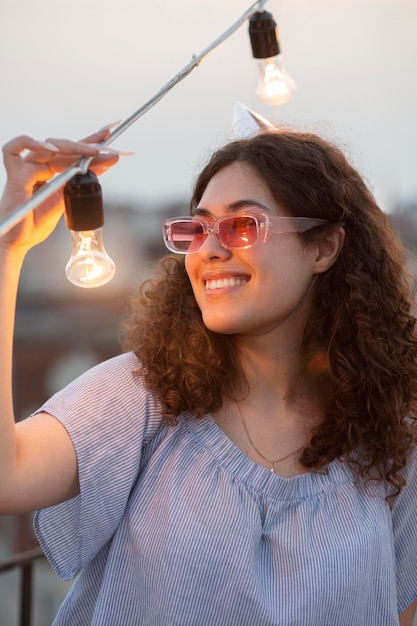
{"x":265,"y":225}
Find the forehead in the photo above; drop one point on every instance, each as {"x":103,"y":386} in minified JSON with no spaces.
{"x":232,"y":186}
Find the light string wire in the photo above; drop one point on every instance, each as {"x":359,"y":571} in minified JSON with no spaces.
{"x":81,"y":166}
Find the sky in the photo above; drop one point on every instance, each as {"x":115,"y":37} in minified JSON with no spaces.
{"x":70,"y":67}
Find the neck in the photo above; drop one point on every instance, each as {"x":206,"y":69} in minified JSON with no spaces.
{"x":273,"y":362}
{"x":277,"y":379}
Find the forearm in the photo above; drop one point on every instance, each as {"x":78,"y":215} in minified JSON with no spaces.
{"x":37,"y":460}
{"x":38,"y":465}
{"x":10,"y":267}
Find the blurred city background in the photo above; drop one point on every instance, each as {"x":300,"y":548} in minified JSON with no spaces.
{"x":68,"y":68}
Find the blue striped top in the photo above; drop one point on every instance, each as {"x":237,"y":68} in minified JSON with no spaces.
{"x":176,"y":526}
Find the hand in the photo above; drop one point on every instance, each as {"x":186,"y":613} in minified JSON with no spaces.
{"x":27,"y":162}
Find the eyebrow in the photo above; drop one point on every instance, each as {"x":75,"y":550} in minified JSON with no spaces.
{"x":234,"y":206}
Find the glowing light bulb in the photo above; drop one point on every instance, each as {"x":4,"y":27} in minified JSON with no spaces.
{"x":275,"y":85}
{"x":89,"y":265}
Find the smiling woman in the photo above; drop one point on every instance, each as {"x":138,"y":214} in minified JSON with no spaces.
{"x":276,"y":261}
{"x":251,"y":458}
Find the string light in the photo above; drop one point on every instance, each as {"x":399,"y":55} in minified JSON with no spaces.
{"x":275,"y":87}
{"x":89,"y":265}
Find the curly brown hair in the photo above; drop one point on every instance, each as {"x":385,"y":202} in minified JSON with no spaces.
{"x":360,"y":342}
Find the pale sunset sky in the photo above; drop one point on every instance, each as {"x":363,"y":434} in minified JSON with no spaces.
{"x":70,"y":67}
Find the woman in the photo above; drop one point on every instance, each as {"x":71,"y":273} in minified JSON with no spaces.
{"x":251,"y":458}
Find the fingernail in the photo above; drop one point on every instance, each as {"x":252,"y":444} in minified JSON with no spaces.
{"x":109,"y":126}
{"x":124,"y":153}
{"x":108,"y":150}
{"x":48,"y":146}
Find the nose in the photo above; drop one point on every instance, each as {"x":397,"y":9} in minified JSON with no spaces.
{"x":211,"y":248}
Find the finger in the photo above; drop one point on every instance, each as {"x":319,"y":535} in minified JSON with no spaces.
{"x":60,"y":153}
{"x":17,"y":145}
{"x":77,"y":148}
{"x":103,"y":162}
{"x":110,"y":150}
{"x":100,"y":134}
{"x":99,"y":165}
{"x":13,"y":149}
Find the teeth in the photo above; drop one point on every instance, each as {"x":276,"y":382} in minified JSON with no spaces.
{"x":221,"y":283}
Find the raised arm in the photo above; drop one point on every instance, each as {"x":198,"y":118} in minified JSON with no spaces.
{"x":37,"y":462}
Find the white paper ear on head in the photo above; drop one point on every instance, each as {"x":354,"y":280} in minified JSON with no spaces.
{"x":246,"y":122}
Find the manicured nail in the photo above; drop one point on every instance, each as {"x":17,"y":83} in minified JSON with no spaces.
{"x":107,"y":150}
{"x":109,"y":126}
{"x":124,"y":153}
{"x":110,"y":151}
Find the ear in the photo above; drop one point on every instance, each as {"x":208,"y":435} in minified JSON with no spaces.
{"x":328,"y":249}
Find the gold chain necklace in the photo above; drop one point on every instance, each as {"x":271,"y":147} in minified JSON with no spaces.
{"x":271,"y":463}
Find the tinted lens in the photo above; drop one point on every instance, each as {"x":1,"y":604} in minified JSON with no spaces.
{"x":186,"y":236}
{"x":238,"y":232}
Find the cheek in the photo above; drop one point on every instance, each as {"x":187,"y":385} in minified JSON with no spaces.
{"x":286,"y":263}
{"x":191,"y":269}
{"x":189,"y":265}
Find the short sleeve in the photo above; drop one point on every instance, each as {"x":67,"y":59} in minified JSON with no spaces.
{"x":109,"y":416}
{"x":404,"y":518}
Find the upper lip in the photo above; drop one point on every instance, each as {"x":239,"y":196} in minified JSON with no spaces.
{"x":221,"y":274}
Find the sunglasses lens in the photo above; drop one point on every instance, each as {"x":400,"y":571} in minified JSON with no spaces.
{"x":186,"y":236}
{"x":238,"y":232}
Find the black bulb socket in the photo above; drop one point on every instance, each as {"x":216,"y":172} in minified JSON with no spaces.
{"x":83,"y":202}
{"x":263,"y":35}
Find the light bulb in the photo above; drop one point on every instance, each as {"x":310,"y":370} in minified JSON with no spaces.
{"x":89,"y":265}
{"x":275,"y":86}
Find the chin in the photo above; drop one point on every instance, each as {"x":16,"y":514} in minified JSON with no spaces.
{"x":222,"y":327}
{"x":227,"y":327}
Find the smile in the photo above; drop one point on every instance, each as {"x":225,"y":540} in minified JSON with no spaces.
{"x":222,"y":283}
